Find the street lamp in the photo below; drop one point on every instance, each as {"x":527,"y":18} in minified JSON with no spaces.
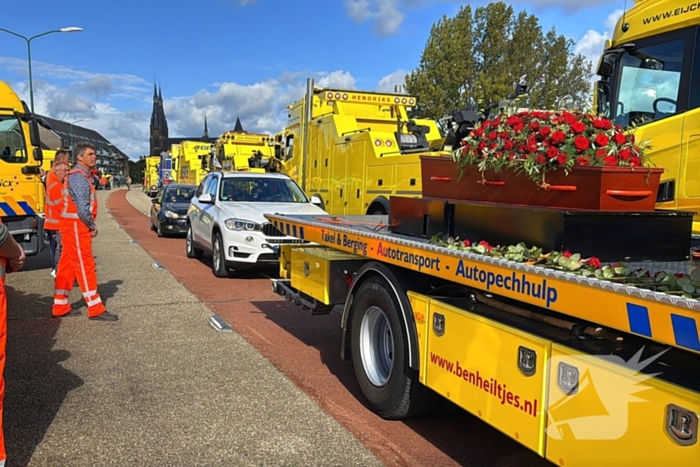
{"x":29,"y":53}
{"x":72,"y":148}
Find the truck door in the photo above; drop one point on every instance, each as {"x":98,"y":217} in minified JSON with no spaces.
{"x":339,"y":185}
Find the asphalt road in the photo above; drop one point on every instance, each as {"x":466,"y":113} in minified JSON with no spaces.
{"x":305,"y":349}
{"x":160,"y":387}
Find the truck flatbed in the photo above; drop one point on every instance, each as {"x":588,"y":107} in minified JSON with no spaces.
{"x":664,"y":318}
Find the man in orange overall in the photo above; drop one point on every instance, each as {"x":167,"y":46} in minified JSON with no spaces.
{"x":11,"y":260}
{"x":77,"y":227}
{"x":54,"y":203}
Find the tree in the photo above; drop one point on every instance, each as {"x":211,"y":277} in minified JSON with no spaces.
{"x":479,"y":55}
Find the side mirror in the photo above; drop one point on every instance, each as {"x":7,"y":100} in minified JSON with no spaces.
{"x":316,"y":200}
{"x":154,"y":201}
{"x":606,"y":67}
{"x":205,"y":198}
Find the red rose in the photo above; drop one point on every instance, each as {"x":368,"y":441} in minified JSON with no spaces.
{"x":534,"y":126}
{"x":620,"y":138}
{"x":518,"y":127}
{"x":493,"y":135}
{"x":567,"y":254}
{"x":558,"y":137}
{"x":513,"y":120}
{"x":478,"y":132}
{"x":635,"y":162}
{"x":540,"y":159}
{"x":562,"y":158}
{"x":583,"y":160}
{"x":568,"y":118}
{"x":545,"y":131}
{"x":578,"y":128}
{"x":601,"y":140}
{"x":624,"y":154}
{"x":508,"y":145}
{"x":602,"y":124}
{"x":486,"y":245}
{"x":600,"y":153}
{"x":552,"y":152}
{"x":595,"y":262}
{"x":503,"y":134}
{"x":466,"y":242}
{"x":581,"y":143}
{"x":610,"y":160}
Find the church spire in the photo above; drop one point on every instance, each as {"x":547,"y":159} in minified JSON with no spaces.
{"x":155,"y":91}
{"x":238,"y":128}
{"x":160,"y":94}
{"x":206,"y":127}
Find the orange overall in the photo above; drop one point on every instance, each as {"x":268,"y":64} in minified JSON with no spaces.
{"x":54,"y":198}
{"x":3,"y":341}
{"x":76,"y":260}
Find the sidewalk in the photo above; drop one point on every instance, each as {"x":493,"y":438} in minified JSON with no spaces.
{"x":157,"y":388}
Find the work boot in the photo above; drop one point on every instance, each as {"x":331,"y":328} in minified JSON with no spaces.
{"x":105,"y":316}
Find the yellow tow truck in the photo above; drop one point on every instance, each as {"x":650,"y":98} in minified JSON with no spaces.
{"x":21,"y":189}
{"x":582,"y":370}
{"x":190,"y":158}
{"x":240,"y":151}
{"x":648,"y":83}
{"x":151,"y":175}
{"x":354,"y":149}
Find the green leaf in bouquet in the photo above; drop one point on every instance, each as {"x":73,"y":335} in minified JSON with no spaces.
{"x":682,"y":281}
{"x":576,"y":257}
{"x":661,"y":277}
{"x":695,"y":275}
{"x":574,"y":266}
{"x":687,"y":295}
{"x":622,"y":270}
{"x":608,"y":272}
{"x":688,"y":288}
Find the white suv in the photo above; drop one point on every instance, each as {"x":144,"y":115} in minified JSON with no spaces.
{"x":225,"y":218}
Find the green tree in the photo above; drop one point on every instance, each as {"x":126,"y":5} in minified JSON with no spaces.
{"x":478,"y":56}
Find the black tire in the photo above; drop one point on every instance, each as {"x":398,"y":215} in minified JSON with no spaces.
{"x":379,"y":347}
{"x":192,"y":251}
{"x":218,"y":258}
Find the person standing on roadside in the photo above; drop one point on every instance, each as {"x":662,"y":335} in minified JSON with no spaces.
{"x":128,"y":182}
{"x":11,"y":260}
{"x":54,"y":204}
{"x":78,"y":228}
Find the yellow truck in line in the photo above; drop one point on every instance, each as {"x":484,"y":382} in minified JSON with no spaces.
{"x":151,"y":175}
{"x":21,"y":157}
{"x":354,"y":149}
{"x":240,"y":151}
{"x":189,"y":163}
{"x":648,"y":84}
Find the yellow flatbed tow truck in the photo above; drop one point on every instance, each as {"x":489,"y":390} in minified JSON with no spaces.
{"x":581,"y":370}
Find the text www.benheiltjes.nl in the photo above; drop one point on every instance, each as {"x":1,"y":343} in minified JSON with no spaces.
{"x":489,"y":385}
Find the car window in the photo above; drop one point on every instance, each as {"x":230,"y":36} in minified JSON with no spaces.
{"x":258,"y":189}
{"x":202,"y":186}
{"x":211,"y":188}
{"x":178,"y":195}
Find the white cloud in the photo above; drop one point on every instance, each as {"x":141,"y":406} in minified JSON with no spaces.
{"x":386,"y":16}
{"x":592,"y":43}
{"x":387,"y":83}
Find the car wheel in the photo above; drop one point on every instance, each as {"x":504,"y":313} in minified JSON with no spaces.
{"x":218,"y":261}
{"x":192,"y":251}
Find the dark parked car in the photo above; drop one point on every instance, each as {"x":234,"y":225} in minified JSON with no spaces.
{"x":169,"y":209}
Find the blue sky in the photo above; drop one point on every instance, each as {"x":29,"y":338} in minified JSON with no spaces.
{"x":229,"y":58}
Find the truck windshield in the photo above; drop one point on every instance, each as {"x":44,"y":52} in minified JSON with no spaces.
{"x":12,"y":145}
{"x":646,"y":84}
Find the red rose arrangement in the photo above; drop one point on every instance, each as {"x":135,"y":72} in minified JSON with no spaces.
{"x":535,"y":142}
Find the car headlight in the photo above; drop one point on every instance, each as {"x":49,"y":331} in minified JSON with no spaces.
{"x":240,"y":224}
{"x":170,"y":214}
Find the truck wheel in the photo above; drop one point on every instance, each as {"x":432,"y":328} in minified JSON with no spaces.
{"x":379,"y":347}
{"x":218,"y":261}
{"x":192,"y":251}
